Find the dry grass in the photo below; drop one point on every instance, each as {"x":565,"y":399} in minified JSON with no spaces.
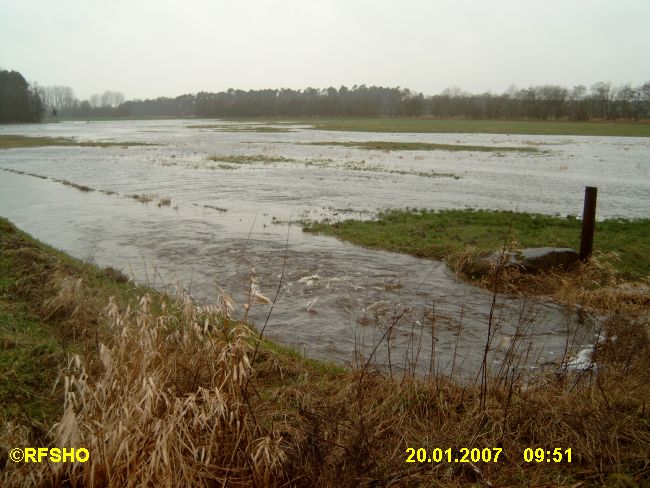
{"x":594,"y":285}
{"x":167,"y":410}
{"x":181,"y":394}
{"x":180,"y":400}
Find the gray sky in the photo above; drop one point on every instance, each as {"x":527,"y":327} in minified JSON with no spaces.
{"x":149,"y":48}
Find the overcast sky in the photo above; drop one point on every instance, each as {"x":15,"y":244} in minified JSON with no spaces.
{"x":149,"y":48}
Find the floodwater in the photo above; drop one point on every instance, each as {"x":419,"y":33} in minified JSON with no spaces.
{"x":226,"y":222}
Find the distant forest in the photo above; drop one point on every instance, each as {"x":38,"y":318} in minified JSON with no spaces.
{"x":545,"y":102}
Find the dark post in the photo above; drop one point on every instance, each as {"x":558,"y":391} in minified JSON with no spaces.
{"x":588,"y":223}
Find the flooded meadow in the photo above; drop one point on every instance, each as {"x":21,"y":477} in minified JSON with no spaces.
{"x":216,"y":205}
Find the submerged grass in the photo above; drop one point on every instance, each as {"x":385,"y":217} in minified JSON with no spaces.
{"x":14,"y":141}
{"x":451,"y":234}
{"x":166,"y":392}
{"x":424,"y":146}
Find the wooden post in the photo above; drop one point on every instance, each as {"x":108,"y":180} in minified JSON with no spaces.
{"x":588,"y":223}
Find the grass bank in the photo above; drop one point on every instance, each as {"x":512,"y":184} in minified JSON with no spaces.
{"x":422,"y":125}
{"x":453,"y":235}
{"x":164,"y":391}
{"x":41,"y":322}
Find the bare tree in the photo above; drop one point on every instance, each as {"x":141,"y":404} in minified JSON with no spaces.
{"x":111,"y":99}
{"x":59,"y":98}
{"x":95,"y":100}
{"x":627,"y":99}
{"x":601,"y":93}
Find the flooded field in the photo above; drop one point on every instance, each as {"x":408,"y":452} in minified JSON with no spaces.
{"x":206,"y":205}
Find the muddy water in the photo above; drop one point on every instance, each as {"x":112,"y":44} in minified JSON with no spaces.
{"x":336,"y":301}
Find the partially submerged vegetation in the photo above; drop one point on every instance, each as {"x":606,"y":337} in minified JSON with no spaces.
{"x":423,"y":146}
{"x":142,"y":198}
{"x":379,"y":168}
{"x":249,"y":159}
{"x":15,"y":141}
{"x":164,"y":391}
{"x":19,"y":172}
{"x":242,"y":159}
{"x":240,"y":128}
{"x":472,"y":126}
{"x":214,"y":207}
{"x":164,"y":202}
{"x":83,"y":188}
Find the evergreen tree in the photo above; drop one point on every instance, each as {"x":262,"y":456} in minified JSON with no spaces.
{"x":18,"y":103}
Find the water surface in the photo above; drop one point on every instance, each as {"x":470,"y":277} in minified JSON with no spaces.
{"x":335,"y":300}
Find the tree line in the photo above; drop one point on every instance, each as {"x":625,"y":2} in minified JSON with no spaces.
{"x":545,"y":102}
{"x":21,"y":103}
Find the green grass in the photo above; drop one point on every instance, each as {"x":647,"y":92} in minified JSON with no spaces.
{"x":423,"y":125}
{"x":423,"y":146}
{"x":13,"y":141}
{"x":446,"y":235}
{"x":34,"y":345}
{"x":29,"y":359}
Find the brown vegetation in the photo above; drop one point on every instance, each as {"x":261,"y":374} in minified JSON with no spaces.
{"x":172,"y":393}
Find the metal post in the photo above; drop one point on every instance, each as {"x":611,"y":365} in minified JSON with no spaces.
{"x":588,"y":223}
